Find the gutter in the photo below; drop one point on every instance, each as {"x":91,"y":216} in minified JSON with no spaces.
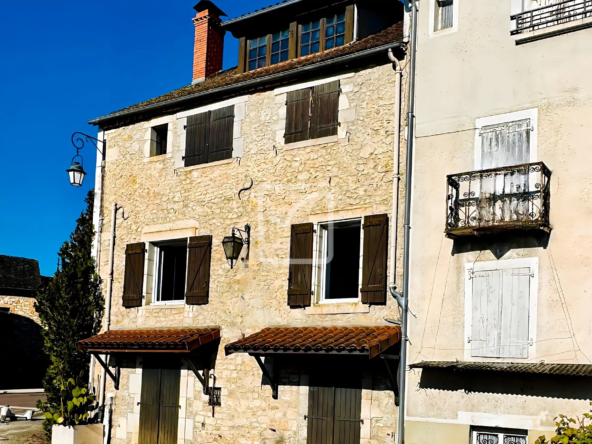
{"x":249,"y":83}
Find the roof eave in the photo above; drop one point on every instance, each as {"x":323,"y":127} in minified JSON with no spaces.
{"x":248,"y":83}
{"x":229,"y":23}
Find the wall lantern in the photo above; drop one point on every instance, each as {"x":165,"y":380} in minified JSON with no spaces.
{"x":233,"y":244}
{"x":76,"y":171}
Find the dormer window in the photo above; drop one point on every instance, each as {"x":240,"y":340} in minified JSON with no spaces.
{"x":319,"y":35}
{"x":280,"y":46}
{"x":269,"y":50}
{"x":257,"y":53}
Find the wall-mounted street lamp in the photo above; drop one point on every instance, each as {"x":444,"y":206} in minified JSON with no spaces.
{"x":233,"y":244}
{"x":76,"y":171}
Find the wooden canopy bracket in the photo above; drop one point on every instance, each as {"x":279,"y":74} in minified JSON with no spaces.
{"x":204,"y":380}
{"x":391,"y":377}
{"x":272,"y":381}
{"x":114,"y":377}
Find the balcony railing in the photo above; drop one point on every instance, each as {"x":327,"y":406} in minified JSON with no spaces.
{"x":551,"y":15}
{"x":499,"y":199}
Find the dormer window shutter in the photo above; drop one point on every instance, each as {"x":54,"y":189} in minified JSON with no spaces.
{"x":374,"y":262}
{"x":242,"y":54}
{"x":300,"y":273}
{"x":325,"y":110}
{"x":133,"y":282}
{"x":199,"y":260}
{"x":298,"y":116}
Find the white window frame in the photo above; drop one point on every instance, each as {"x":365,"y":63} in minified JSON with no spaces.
{"x":533,"y":264}
{"x":156,"y":287}
{"x":319,"y":268}
{"x":432,"y":23}
{"x":496,"y":431}
{"x":531,"y":114}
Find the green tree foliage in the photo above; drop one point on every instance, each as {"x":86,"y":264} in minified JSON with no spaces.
{"x":571,"y":431}
{"x":71,"y":309}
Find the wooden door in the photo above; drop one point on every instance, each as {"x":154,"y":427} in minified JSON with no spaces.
{"x":334,"y":415}
{"x":159,"y":405}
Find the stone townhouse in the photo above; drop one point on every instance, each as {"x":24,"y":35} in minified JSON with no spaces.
{"x":501,"y":250}
{"x":248,"y":301}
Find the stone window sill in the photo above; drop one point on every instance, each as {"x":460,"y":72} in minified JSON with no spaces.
{"x":329,"y":309}
{"x":205,"y":165}
{"x":158,"y":158}
{"x":311,"y":142}
{"x":165,"y":306}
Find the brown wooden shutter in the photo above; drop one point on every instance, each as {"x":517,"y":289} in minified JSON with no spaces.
{"x":298,"y":116}
{"x":299,"y":280}
{"x":321,"y":411}
{"x":293,"y":42}
{"x":374,"y":263}
{"x":198,"y":270}
{"x":349,"y":24}
{"x":133,"y":282}
{"x":196,"y":140}
{"x":149,"y":405}
{"x":348,"y":415}
{"x":242,"y":53}
{"x":325,"y":110}
{"x":170,"y":387}
{"x":221,"y":134}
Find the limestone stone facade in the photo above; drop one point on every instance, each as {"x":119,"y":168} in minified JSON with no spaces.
{"x":20,"y":305}
{"x":349,"y":175}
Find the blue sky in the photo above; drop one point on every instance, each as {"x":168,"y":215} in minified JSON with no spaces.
{"x":61,"y":64}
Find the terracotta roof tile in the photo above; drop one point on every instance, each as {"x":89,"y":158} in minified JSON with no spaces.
{"x":510,"y":367}
{"x":181,"y":340}
{"x":230,"y":77}
{"x":336,"y":340}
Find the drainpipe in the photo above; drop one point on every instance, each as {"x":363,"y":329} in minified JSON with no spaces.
{"x":114,"y":211}
{"x":403,"y":298}
{"x":396,"y":164}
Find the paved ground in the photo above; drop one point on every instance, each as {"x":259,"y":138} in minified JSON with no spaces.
{"x":21,"y":431}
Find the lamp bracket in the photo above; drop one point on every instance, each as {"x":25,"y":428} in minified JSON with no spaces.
{"x":247,"y":233}
{"x":78,"y":140}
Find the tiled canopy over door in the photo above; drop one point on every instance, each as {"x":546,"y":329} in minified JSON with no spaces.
{"x":500,"y":313}
{"x":159,"y":405}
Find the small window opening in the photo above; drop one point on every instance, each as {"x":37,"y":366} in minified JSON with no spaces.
{"x":310,"y":38}
{"x":159,"y":140}
{"x":170,"y":271}
{"x":444,"y":14}
{"x":339,"y":250}
{"x":257,"y":53}
{"x":335,"y":31}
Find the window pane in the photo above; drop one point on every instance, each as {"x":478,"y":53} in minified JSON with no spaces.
{"x":252,"y":65}
{"x":341,"y":18}
{"x":276,"y":37}
{"x":261,"y":63}
{"x":330,"y":31}
{"x":316,"y":25}
{"x":285,"y":44}
{"x":284,"y":56}
{"x":340,"y":41}
{"x":305,"y":38}
{"x":262,"y":51}
{"x":173,"y":261}
{"x":330,"y":43}
{"x":262,"y":41}
{"x":252,"y":43}
{"x":314,"y":48}
{"x":306,"y":28}
{"x":316,"y":36}
{"x":286,"y":34}
{"x":330,"y":21}
{"x":340,"y":28}
{"x":275,"y":47}
{"x":275,"y":58}
{"x":252,"y":54}
{"x":305,"y":50}
{"x":342,"y":260}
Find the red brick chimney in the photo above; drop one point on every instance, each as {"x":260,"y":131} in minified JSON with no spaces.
{"x":209,"y":40}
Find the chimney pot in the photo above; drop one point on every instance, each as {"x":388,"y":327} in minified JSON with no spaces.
{"x":209,"y":41}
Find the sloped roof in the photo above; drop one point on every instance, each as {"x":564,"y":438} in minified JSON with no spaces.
{"x":212,"y":84}
{"x":369,"y":341}
{"x":18,"y":276}
{"x":510,"y":367}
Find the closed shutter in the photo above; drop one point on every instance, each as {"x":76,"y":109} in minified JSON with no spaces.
{"x":221,"y":134}
{"x":299,"y":280}
{"x":515,"y":313}
{"x":298,"y":116}
{"x":487,"y":287}
{"x":321,"y":411}
{"x":500,"y":313}
{"x":242,"y":53}
{"x":350,"y":15}
{"x":133,"y":282}
{"x":374,"y":262}
{"x":198,"y":270}
{"x":149,"y":406}
{"x":325,"y":110}
{"x":170,"y":387}
{"x":293,"y":42}
{"x":196,"y":145}
{"x":348,"y":415}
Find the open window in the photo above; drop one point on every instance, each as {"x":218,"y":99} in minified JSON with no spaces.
{"x":170,"y":269}
{"x":339,"y":261}
{"x":158,"y":140}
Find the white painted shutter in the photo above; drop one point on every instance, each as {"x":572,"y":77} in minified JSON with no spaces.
{"x":487,"y":297}
{"x":515,"y":313}
{"x":505,"y":144}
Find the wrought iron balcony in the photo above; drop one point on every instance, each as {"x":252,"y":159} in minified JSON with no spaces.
{"x":557,"y":13}
{"x":499,"y":199}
